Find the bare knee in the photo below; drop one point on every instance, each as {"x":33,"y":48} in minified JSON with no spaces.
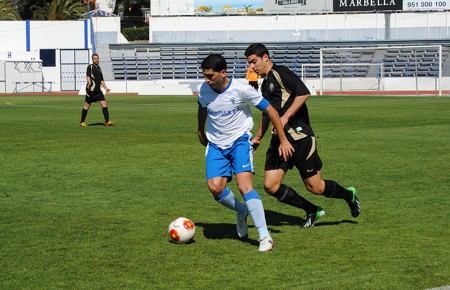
{"x":243,"y":189}
{"x":215,"y":188}
{"x":244,"y":182}
{"x":316,"y":188}
{"x":271,"y":188}
{"x":315,"y":184}
{"x":272,"y":180}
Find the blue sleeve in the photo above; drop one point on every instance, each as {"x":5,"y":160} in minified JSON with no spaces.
{"x":263,"y":104}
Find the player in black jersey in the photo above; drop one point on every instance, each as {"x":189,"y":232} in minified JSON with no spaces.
{"x":94,"y":93}
{"x":288,"y":94}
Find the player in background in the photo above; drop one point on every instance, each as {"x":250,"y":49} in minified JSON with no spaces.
{"x":224,"y":106}
{"x":252,"y":78}
{"x":94,"y":93}
{"x":288,"y":94}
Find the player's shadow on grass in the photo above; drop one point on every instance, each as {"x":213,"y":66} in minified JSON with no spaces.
{"x":274,"y":218}
{"x":96,"y":124}
{"x":218,"y":230}
{"x":280,"y":219}
{"x":224,"y":231}
{"x":228,"y":231}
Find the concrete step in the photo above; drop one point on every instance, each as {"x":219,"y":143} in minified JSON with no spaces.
{"x":105,"y":61}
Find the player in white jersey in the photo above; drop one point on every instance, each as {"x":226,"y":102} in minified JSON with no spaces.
{"x":224,"y":104}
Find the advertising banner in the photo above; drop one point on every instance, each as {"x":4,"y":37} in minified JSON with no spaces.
{"x":366,"y":5}
{"x":224,"y":7}
{"x":228,"y":6}
{"x":297,"y":6}
{"x":424,"y":5}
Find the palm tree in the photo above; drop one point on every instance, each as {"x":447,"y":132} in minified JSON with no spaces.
{"x":59,"y":10}
{"x":247,"y":7}
{"x":8,"y":11}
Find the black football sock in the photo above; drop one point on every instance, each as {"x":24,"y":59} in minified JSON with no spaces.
{"x":105,"y":114}
{"x":287,"y":195}
{"x":83,"y":114}
{"x":334,"y":190}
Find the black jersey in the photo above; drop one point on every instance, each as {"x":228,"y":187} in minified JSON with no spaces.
{"x":280,"y":87}
{"x":95,"y":73}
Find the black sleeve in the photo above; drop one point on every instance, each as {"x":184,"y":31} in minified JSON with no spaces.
{"x":293,"y":83}
{"x":88,"y":71}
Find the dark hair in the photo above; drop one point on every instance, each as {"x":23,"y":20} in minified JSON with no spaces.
{"x":216,"y":62}
{"x":95,"y":54}
{"x":258,"y":49}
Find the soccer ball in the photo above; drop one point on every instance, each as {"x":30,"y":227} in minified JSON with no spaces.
{"x":181,"y":230}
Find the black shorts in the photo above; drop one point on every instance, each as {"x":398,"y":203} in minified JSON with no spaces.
{"x":94,"y":96}
{"x":306,"y":158}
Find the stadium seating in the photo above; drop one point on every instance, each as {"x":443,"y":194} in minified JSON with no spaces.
{"x":174,"y":61}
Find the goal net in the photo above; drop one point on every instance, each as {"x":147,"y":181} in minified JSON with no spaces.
{"x":393,"y":70}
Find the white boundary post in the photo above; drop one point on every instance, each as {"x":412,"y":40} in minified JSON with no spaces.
{"x":440,"y":70}
{"x":320,"y":72}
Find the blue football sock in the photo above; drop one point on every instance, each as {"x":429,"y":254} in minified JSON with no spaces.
{"x":256,"y":211}
{"x":227,"y":199}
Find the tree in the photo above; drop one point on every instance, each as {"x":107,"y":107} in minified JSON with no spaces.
{"x":8,"y":11}
{"x":247,"y":7}
{"x":128,"y":3}
{"x":59,"y":10}
{"x":131,"y":7}
{"x":23,"y":6}
{"x":131,"y":12}
{"x":25,"y":11}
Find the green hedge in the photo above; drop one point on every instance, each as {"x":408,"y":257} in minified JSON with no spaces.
{"x":132,"y":34}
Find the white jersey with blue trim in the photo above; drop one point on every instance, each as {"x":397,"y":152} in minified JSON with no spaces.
{"x":229,"y":114}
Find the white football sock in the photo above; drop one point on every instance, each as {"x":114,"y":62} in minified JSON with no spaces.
{"x":256,"y":211}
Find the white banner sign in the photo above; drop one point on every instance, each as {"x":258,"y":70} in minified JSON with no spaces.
{"x":421,"y":5}
{"x":172,"y":7}
{"x":297,"y":6}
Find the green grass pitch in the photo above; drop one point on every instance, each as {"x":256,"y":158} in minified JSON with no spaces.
{"x":88,"y":208}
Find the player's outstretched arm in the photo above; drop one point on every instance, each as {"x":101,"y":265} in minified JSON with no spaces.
{"x":286,"y":150}
{"x":202,"y":114}
{"x":298,"y":102}
{"x":264,"y":123}
{"x":105,"y":87}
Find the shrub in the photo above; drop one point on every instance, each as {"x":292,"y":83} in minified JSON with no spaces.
{"x":133,"y":34}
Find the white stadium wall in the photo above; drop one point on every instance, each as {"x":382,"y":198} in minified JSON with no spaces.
{"x":12,"y":36}
{"x":26,"y":39}
{"x":55,"y":34}
{"x":43,"y":34}
{"x":21,"y":41}
{"x":59,"y":34}
{"x":288,"y":28}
